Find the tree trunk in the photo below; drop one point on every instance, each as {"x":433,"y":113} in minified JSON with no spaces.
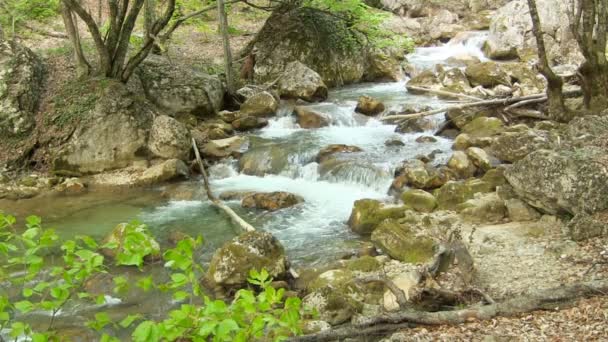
{"x":99,"y":12}
{"x":221,"y":9}
{"x":1,"y":33}
{"x":557,"y":110}
{"x":82,"y":66}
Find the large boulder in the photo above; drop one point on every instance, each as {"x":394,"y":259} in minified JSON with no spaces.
{"x":384,"y":65}
{"x":114,"y":134}
{"x":403,"y":242}
{"x":222,"y":148}
{"x":452,"y":194}
{"x":317,"y":39}
{"x":260,"y":104}
{"x":486,"y":208}
{"x":271,"y":201}
{"x":231,"y":264}
{"x":585,"y":226}
{"x":169,"y":138}
{"x":301,"y":82}
{"x":564,"y":181}
{"x":369,"y":106}
{"x":367,"y":214}
{"x":425,"y":79}
{"x":514,"y":146}
{"x":487,"y":75}
{"x":165,"y":171}
{"x":419,"y":200}
{"x":21,"y":73}
{"x":483,"y":127}
{"x":511,"y":32}
{"x":308,"y":118}
{"x":180,"y":89}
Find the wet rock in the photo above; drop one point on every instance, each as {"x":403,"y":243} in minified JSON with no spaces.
{"x":487,"y":75}
{"x":452,"y":194}
{"x":271,"y":201}
{"x":461,"y":117}
{"x":564,"y":181}
{"x":163,"y":172}
{"x":426,"y":139}
{"x":231,"y":264}
{"x":480,"y":158}
{"x":169,"y":139}
{"x":426,"y":79}
{"x":218,"y":149}
{"x":301,"y":82}
{"x":486,"y":208}
{"x":402,"y":242}
{"x":519,"y":211}
{"x":367,"y":214}
{"x":235,"y":195}
{"x":260,"y":105}
{"x":415,"y":125}
{"x":417,"y":174}
{"x":331,"y":150}
{"x":120,"y":233}
{"x":383,"y":65}
{"x":308,"y":118}
{"x":21,"y":73}
{"x":462,"y":165}
{"x":584,"y":226}
{"x":483,"y":127}
{"x":262,"y":160}
{"x":180,"y":88}
{"x":247,"y":123}
{"x":394,"y":142}
{"x":369,"y":106}
{"x":454,"y":80}
{"x":419,"y":200}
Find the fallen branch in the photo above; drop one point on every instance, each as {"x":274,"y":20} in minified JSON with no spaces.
{"x":401,"y":299}
{"x":444,"y":93}
{"x":549,"y":299}
{"x":214,"y":200}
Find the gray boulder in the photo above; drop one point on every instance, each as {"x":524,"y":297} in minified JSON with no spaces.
{"x":169,"y":138}
{"x":301,"y":82}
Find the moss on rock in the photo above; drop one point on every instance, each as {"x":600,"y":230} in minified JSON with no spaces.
{"x":403,"y":242}
{"x":367,"y":214}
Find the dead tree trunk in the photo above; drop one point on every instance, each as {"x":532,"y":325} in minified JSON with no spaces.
{"x":221,"y":10}
{"x":557,"y":110}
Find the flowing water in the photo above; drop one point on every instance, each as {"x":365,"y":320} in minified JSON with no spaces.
{"x":312,"y":232}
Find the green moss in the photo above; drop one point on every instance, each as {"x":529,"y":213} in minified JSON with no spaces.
{"x":401,"y":242}
{"x":28,"y":181}
{"x":419,"y":200}
{"x":483,"y":127}
{"x":363,"y":264}
{"x":367,"y":214}
{"x":453,"y":193}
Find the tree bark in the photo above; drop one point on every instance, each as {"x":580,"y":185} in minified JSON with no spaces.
{"x":223,"y":18}
{"x":557,"y":110}
{"x":82,"y":65}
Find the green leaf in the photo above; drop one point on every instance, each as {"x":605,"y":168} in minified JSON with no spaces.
{"x":146,"y":331}
{"x":24,"y":306}
{"x":127,"y":321}
{"x":33,"y":220}
{"x":28,"y":292}
{"x":226,"y":327}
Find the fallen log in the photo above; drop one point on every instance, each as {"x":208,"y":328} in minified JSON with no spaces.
{"x":214,"y":200}
{"x":548,"y":299}
{"x":444,"y":93}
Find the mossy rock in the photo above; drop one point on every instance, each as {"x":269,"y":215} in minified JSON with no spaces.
{"x":453,"y":193}
{"x":340,"y":280}
{"x":419,"y":200}
{"x":333,"y":307}
{"x":363,"y":264}
{"x":479,"y":185}
{"x":231,"y":264}
{"x":495,"y":177}
{"x":483,"y":127}
{"x":367,"y":214}
{"x":401,"y":242}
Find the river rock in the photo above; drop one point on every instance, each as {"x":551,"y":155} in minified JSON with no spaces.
{"x":384,"y":65}
{"x":416,"y":174}
{"x":480,"y":158}
{"x":519,"y":211}
{"x":328,"y":151}
{"x":165,"y":171}
{"x":222,"y":148}
{"x":334,"y":307}
{"x":271,"y":201}
{"x":369,"y":106}
{"x":483,"y":127}
{"x":454,"y":80}
{"x":120,"y":233}
{"x":585,"y":226}
{"x":425,"y":79}
{"x":419,"y":200}
{"x":262,"y":160}
{"x":564,"y":181}
{"x":260,"y":105}
{"x":21,"y":73}
{"x":453,"y":193}
{"x":415,"y":125}
{"x":462,"y":117}
{"x":228,"y":116}
{"x":301,"y":82}
{"x":511,"y":32}
{"x":485,"y":208}
{"x":514,"y":146}
{"x":403,"y":242}
{"x":425,"y":139}
{"x":462,"y":142}
{"x":462,"y":165}
{"x":180,"y":88}
{"x":487,"y":75}
{"x":71,"y":185}
{"x":231,"y":264}
{"x":114,"y":136}
{"x":394,"y":142}
{"x":246,"y":123}
{"x":367,"y":214}
{"x":308,"y":118}
{"x":169,"y":139}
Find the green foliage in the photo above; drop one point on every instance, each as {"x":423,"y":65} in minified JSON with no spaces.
{"x":253,"y":315}
{"x":15,"y":12}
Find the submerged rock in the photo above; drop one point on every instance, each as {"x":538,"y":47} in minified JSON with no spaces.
{"x":367,"y":214}
{"x":331,"y":150}
{"x":308,"y":118}
{"x":271,"y":201}
{"x":369,"y":106}
{"x":301,"y":82}
{"x":231,"y":264}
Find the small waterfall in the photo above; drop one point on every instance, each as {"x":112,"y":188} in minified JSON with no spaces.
{"x":464,"y":44}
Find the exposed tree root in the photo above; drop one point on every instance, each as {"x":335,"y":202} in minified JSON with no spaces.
{"x":549,"y":299}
